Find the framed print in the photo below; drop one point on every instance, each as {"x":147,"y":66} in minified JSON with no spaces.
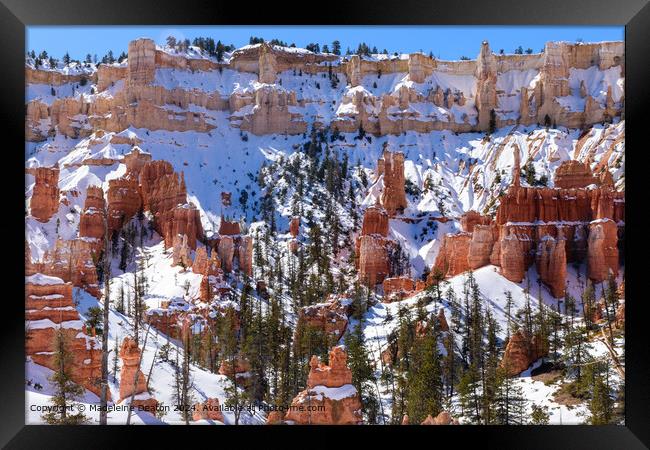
{"x":369,"y":218}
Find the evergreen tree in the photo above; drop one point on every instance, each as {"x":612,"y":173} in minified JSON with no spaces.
{"x":66,"y":391}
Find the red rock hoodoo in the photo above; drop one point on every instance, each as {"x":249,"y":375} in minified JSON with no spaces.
{"x":132,"y":380}
{"x":207,"y":410}
{"x":330,"y":316}
{"x":45,"y":196}
{"x":48,"y":307}
{"x":294,"y":226}
{"x":393,"y":197}
{"x":330,"y":389}
{"x":521,"y":352}
{"x":91,"y":222}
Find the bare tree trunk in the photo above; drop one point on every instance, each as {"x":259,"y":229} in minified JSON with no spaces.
{"x":103,"y":411}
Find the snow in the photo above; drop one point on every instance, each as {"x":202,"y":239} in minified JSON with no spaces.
{"x":336,"y":393}
{"x":42,"y":280}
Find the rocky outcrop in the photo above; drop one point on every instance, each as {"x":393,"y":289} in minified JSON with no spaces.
{"x":329,"y":317}
{"x":373,"y":259}
{"x":453,"y":255}
{"x":375,"y":221}
{"x":48,"y":308}
{"x":72,"y":261}
{"x":182,"y":220}
{"x":239,"y":370}
{"x":521,"y":352}
{"x":226,"y":251}
{"x":91,"y":222}
{"x":486,"y":85}
{"x":472,"y":218}
{"x":109,"y":74}
{"x":245,"y":255}
{"x":512,"y":257}
{"x":574,"y":174}
{"x":207,"y":410}
{"x":267,"y":64}
{"x":123,"y":201}
{"x":330,"y":389}
{"x":294,"y":226}
{"x":274,"y":111}
{"x":397,"y":288}
{"x":142,"y":62}
{"x":135,"y":160}
{"x":181,"y":251}
{"x":420,"y":67}
{"x":602,"y":250}
{"x":551,"y":264}
{"x":481,"y":245}
{"x":132,"y":381}
{"x":393,"y":196}
{"x":45,"y":195}
{"x":228,"y":228}
{"x":443,"y":418}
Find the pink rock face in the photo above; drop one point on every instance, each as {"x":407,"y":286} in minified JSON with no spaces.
{"x":521,"y":352}
{"x":245,"y":255}
{"x":207,"y":410}
{"x":330,"y":317}
{"x":241,"y":368}
{"x":130,"y":354}
{"x":45,"y":196}
{"x":442,"y":320}
{"x":480,"y":246}
{"x":181,"y":251}
{"x":453,"y":256}
{"x":51,"y":300}
{"x":551,"y":264}
{"x":134,"y":160}
{"x":443,"y":418}
{"x":226,"y":251}
{"x":91,"y":221}
{"x":340,"y":406}
{"x":393,"y":197}
{"x":71,"y":261}
{"x":512,"y":261}
{"x":472,"y":218}
{"x":398,"y":288}
{"x":373,"y":259}
{"x":375,"y":221}
{"x":123,"y":201}
{"x":185,"y":220}
{"x":294,"y":226}
{"x":602,"y":250}
{"x":574,"y":174}
{"x":227,"y":228}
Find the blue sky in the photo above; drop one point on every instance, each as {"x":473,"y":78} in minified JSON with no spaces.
{"x":446,"y":42}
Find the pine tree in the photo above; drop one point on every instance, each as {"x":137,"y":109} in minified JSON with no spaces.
{"x":66,"y":391}
{"x":424,"y":379}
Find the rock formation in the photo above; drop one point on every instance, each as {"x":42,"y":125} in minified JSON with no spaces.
{"x":486,"y":93}
{"x":602,"y":250}
{"x":375,"y":221}
{"x":551,"y":264}
{"x":132,"y":380}
{"x":142,"y":60}
{"x":294,"y":226}
{"x":521,"y":352}
{"x":373,"y":259}
{"x":398,"y":288}
{"x":453,"y":255}
{"x":91,"y":222}
{"x":267,"y":64}
{"x":443,"y":418}
{"x":181,"y":251}
{"x":45,"y":195}
{"x":574,"y":174}
{"x":49,"y":307}
{"x":123,"y":201}
{"x":329,"y":317}
{"x":226,"y":251}
{"x":330,"y":389}
{"x":245,"y":255}
{"x":393,"y":197}
{"x":207,"y":410}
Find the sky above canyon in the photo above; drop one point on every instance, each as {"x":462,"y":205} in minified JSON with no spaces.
{"x":446,"y":42}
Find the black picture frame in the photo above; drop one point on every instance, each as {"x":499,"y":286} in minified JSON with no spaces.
{"x":15,"y":15}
